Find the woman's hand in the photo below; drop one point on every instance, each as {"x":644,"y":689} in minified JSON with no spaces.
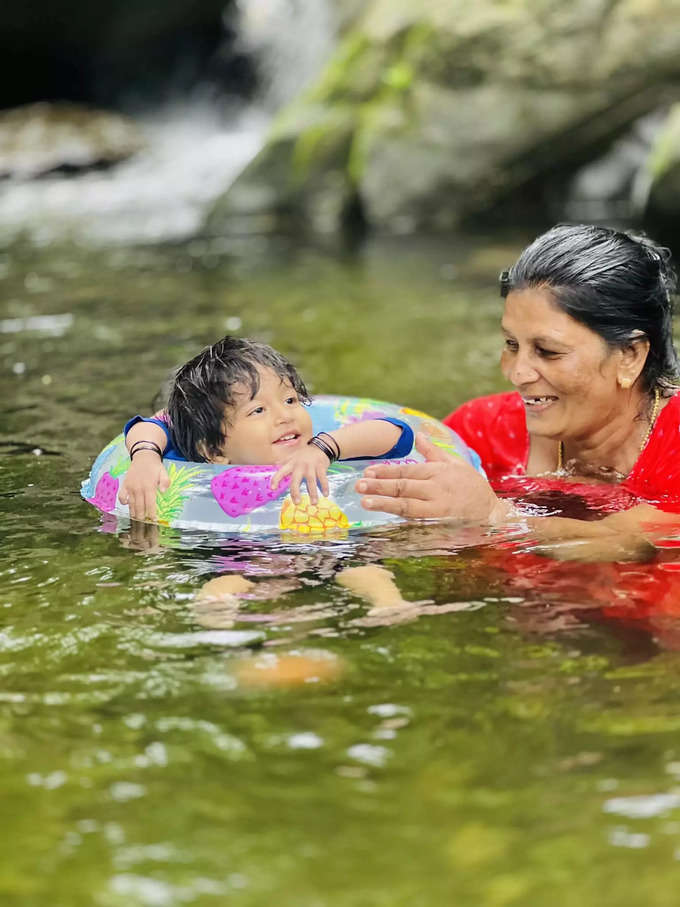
{"x":442,"y":486}
{"x":309,"y":465}
{"x":144,"y":478}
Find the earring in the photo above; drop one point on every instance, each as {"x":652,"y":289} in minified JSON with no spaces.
{"x":625,"y":383}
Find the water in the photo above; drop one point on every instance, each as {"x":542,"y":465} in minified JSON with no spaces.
{"x":195,"y":145}
{"x":511,"y":741}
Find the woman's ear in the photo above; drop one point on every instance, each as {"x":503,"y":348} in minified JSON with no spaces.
{"x":632,"y":361}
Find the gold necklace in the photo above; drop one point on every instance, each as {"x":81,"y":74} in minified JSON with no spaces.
{"x":655,"y":413}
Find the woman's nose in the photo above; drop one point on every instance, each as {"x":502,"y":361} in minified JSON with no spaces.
{"x":520,"y":370}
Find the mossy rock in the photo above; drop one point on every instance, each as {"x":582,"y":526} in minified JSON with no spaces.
{"x":39,"y":138}
{"x":300,"y":179}
{"x":438,"y":112}
{"x":661,"y":175}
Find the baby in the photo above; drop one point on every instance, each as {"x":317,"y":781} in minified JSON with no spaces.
{"x":240,"y":401}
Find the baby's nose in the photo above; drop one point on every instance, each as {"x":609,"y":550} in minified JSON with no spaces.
{"x":283,"y":414}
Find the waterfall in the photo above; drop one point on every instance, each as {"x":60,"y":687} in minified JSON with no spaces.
{"x":194,"y":149}
{"x":614,"y":187}
{"x":290,"y":41}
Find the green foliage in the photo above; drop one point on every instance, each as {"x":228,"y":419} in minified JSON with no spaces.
{"x":666,"y":150}
{"x":399,"y":76}
{"x":353,"y":73}
{"x":325,"y":143}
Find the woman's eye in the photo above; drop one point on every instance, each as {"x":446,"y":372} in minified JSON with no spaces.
{"x":546,"y":354}
{"x":511,"y":345}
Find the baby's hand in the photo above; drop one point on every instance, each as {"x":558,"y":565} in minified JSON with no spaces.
{"x":144,"y":478}
{"x":309,"y":464}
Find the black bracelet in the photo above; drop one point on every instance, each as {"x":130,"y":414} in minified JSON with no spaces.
{"x":333,"y":441}
{"x":324,"y":447}
{"x":148,"y":445}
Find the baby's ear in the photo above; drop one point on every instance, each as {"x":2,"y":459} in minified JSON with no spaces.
{"x":214,"y":458}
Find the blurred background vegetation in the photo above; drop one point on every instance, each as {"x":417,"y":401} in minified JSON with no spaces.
{"x":169,"y":120}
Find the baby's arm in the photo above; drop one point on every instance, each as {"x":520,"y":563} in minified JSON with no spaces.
{"x":146,"y":474}
{"x":372,"y":438}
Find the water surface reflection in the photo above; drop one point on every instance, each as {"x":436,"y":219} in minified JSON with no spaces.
{"x":513,"y":726}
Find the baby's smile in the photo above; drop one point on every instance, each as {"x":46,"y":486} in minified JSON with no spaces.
{"x":269,"y":426}
{"x":290,"y":439}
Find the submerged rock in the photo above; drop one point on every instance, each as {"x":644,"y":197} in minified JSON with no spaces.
{"x":289,"y":669}
{"x":431,"y":113}
{"x":42,"y":138}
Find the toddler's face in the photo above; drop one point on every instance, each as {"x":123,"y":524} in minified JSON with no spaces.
{"x":267,"y":428}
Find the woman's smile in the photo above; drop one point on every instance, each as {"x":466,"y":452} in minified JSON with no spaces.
{"x":564,"y":372}
{"x":535,"y":405}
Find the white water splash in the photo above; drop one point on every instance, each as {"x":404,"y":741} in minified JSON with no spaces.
{"x":160,"y":194}
{"x":644,"y":806}
{"x":291,"y":41}
{"x":194,"y":151}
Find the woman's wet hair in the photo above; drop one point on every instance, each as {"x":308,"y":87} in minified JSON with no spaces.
{"x":207,"y":385}
{"x":618,"y":284}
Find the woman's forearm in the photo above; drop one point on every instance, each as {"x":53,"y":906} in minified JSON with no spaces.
{"x":643,"y":520}
{"x":629,"y":535}
{"x":444,"y":487}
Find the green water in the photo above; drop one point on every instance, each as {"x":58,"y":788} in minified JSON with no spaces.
{"x":519,"y":747}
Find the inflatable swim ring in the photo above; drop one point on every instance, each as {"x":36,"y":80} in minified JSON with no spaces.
{"x":235,"y":498}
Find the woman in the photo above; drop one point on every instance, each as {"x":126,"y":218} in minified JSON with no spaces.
{"x":588,"y":347}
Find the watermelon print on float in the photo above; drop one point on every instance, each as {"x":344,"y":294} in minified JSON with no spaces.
{"x":236,"y":499}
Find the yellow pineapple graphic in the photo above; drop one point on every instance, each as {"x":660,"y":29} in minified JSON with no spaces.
{"x":307,"y":518}
{"x":434,"y":430}
{"x":407,"y":411}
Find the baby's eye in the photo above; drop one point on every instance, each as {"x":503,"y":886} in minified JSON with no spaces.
{"x":291,"y":399}
{"x":258,"y":409}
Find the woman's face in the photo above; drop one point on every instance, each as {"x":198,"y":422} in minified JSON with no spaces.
{"x":565,"y":373}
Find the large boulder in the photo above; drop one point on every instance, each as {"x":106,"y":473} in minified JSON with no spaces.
{"x":430,"y":113}
{"x":41,"y":138}
{"x":659,"y":181}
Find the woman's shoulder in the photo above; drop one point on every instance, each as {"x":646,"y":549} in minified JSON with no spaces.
{"x":489,"y":409}
{"x":494,"y":426}
{"x":656,"y":475}
{"x":667,"y":420}
{"x":673,"y":404}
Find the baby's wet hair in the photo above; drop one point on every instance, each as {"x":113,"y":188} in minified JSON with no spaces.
{"x":205,"y":387}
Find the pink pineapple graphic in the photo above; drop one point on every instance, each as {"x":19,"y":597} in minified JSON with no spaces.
{"x":240,"y":489}
{"x":104,"y":497}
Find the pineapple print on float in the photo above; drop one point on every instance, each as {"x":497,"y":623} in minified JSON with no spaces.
{"x":239,"y":499}
{"x":309,"y":519}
